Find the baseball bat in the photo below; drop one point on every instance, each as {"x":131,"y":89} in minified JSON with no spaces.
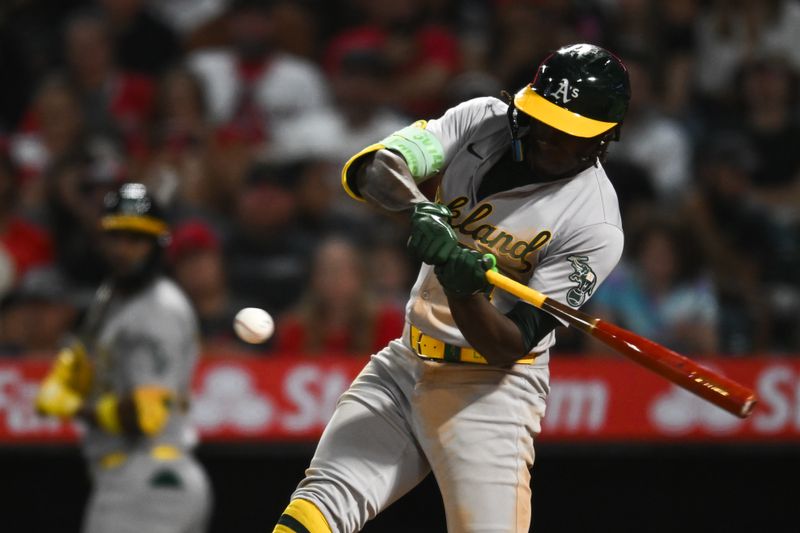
{"x":709,"y":385}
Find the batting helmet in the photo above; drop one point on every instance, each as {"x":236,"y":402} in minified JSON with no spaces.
{"x":580,"y":89}
{"x":131,"y":208}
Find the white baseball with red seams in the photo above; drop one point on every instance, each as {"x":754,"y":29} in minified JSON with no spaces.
{"x":253,"y":325}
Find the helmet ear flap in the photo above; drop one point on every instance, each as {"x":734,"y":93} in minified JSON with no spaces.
{"x":605,"y":141}
{"x":617,"y":131}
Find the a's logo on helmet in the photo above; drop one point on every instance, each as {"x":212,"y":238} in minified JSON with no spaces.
{"x":564,"y":92}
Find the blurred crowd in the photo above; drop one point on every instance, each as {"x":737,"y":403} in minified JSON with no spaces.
{"x":239,"y":114}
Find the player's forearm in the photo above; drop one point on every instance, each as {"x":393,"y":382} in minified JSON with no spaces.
{"x":385,"y":181}
{"x":495,"y":336}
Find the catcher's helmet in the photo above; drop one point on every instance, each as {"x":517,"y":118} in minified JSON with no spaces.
{"x":131,"y":208}
{"x":580,"y":89}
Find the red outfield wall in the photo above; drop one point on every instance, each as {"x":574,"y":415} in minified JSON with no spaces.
{"x":592,"y":399}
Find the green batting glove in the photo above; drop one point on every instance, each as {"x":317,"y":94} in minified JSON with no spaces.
{"x":432,"y":239}
{"x":464,"y":273}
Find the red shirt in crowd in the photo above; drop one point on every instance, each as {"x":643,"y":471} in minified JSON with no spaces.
{"x":292,"y":333}
{"x":27,"y":245}
{"x":432,"y":45}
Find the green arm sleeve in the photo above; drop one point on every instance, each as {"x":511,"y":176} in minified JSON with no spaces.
{"x":419,"y":148}
{"x":533,"y":323}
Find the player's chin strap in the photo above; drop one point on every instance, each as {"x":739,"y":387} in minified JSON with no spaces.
{"x":517,"y":151}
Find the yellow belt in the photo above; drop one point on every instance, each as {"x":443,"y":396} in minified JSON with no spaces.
{"x":432,"y":348}
{"x":162,"y":452}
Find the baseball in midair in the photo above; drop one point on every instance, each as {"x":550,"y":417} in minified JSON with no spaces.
{"x":253,"y":325}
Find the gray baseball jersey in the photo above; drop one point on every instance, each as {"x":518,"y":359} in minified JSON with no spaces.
{"x":561,"y":238}
{"x":473,"y":425}
{"x":147,"y":339}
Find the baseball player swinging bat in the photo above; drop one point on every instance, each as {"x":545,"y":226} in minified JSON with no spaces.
{"x":709,"y":385}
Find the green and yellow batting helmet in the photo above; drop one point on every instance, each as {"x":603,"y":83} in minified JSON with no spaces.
{"x":580,"y":89}
{"x":131,"y":208}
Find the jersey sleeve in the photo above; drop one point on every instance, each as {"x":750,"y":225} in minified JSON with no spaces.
{"x":427,"y":147}
{"x":154,"y":350}
{"x":457,"y":126}
{"x":573,"y":270}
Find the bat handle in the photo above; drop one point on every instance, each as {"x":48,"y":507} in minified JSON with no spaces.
{"x":519,"y":290}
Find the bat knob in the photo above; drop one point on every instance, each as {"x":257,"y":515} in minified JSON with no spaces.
{"x":489,"y":262}
{"x":748,"y":407}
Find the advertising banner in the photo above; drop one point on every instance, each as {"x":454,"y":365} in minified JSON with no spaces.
{"x":592,"y":399}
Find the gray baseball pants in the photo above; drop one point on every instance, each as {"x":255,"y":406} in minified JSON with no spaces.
{"x":147,"y":494}
{"x":403,"y":416}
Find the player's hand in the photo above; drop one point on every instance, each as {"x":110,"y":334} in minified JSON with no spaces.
{"x":432,"y":239}
{"x":464,"y":273}
{"x":56,"y":399}
{"x":73,"y":368}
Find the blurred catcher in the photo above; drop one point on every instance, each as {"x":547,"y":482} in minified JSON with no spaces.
{"x":127,"y":377}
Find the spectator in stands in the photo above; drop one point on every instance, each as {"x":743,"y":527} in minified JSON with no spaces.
{"x":317,"y":194}
{"x":297,"y":26}
{"x":631,"y":25}
{"x":116,"y":103}
{"x":30,"y":42}
{"x":752,"y":252}
{"x":422,"y":54}
{"x":197,"y":264}
{"x":53,"y":127}
{"x":360,"y":85}
{"x":37,"y":315}
{"x":337,"y":313}
{"x":768,"y":91}
{"x":23,"y":245}
{"x":661,"y":291}
{"x":472,"y":84}
{"x":180,"y":140}
{"x":523,"y":35}
{"x":267,"y":253}
{"x":651,"y":140}
{"x":206,"y":165}
{"x":331,"y":135}
{"x":728,"y":33}
{"x":190,"y":17}
{"x":253,"y":89}
{"x":142,"y":43}
{"x":676,"y":44}
{"x":389,"y":272}
{"x":636,"y":192}
{"x":76,"y":185}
